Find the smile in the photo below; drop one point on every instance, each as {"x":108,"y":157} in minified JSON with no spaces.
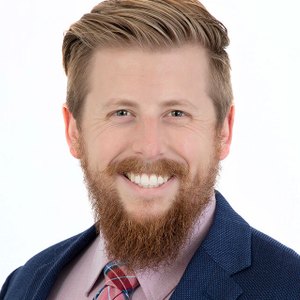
{"x":147,"y":181}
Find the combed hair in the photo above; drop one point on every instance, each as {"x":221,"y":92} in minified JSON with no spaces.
{"x":151,"y":25}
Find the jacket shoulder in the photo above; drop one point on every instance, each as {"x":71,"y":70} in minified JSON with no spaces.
{"x":274,"y":270}
{"x":50,"y":260}
{"x":262,"y":267}
{"x":275,"y":256}
{"x":56,"y":250}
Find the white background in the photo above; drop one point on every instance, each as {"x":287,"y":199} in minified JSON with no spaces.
{"x":42,"y":197}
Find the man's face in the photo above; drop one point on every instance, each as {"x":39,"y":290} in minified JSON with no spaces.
{"x":148,"y":138}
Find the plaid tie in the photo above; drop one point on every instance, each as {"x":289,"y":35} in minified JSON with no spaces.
{"x":118,"y":285}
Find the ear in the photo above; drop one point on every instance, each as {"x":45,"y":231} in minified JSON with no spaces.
{"x":71,"y":132}
{"x":226,"y":134}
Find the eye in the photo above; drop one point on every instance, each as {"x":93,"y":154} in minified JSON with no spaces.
{"x":122,"y":113}
{"x":177,"y":113}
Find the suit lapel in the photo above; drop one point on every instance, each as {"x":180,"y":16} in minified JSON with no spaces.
{"x":225,"y":251}
{"x":47,"y":273}
{"x":205,"y":279}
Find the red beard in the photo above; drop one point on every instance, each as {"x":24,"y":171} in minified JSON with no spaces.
{"x":154,"y":242}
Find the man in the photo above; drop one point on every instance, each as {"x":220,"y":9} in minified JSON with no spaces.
{"x":149,"y":114}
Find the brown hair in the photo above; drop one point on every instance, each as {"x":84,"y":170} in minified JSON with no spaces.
{"x":149,"y":24}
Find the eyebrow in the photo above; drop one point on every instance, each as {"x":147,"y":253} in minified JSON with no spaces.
{"x":178,"y":102}
{"x":129,"y":103}
{"x":120,"y":102}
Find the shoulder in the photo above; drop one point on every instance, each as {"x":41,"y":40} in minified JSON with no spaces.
{"x":46,"y":265}
{"x":273,"y":255}
{"x":274,"y":269}
{"x":262,"y":266}
{"x":54,"y":252}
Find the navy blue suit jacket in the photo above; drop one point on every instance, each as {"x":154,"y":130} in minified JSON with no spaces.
{"x":234,"y":261}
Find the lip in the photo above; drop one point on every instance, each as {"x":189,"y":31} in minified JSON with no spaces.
{"x":148,"y":192}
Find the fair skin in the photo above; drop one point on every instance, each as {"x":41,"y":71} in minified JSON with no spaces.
{"x":150,"y":105}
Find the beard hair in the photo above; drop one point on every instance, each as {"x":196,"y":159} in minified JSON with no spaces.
{"x":155,"y":241}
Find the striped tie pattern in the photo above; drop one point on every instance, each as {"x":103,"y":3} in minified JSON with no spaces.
{"x":118,"y":285}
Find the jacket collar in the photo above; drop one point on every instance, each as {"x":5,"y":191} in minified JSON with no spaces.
{"x":225,"y":251}
{"x":45,"y":276}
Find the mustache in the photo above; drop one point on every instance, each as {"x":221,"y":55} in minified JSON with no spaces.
{"x":162,"y":167}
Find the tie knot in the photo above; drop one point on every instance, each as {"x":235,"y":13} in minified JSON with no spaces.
{"x":118,"y":276}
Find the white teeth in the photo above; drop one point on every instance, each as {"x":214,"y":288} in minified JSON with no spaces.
{"x":131,"y":177}
{"x":147,"y":181}
{"x":144,"y":180}
{"x":160,"y":180}
{"x":137,"y":179}
{"x":153,"y":180}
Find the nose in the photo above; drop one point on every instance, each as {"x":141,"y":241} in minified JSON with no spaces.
{"x":147,"y":140}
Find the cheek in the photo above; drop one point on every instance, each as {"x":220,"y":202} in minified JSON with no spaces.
{"x":196,"y":151}
{"x":104,"y":148}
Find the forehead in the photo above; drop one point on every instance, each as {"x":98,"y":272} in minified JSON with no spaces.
{"x":139,"y":73}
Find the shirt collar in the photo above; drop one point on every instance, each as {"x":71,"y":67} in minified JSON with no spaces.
{"x":98,"y":263}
